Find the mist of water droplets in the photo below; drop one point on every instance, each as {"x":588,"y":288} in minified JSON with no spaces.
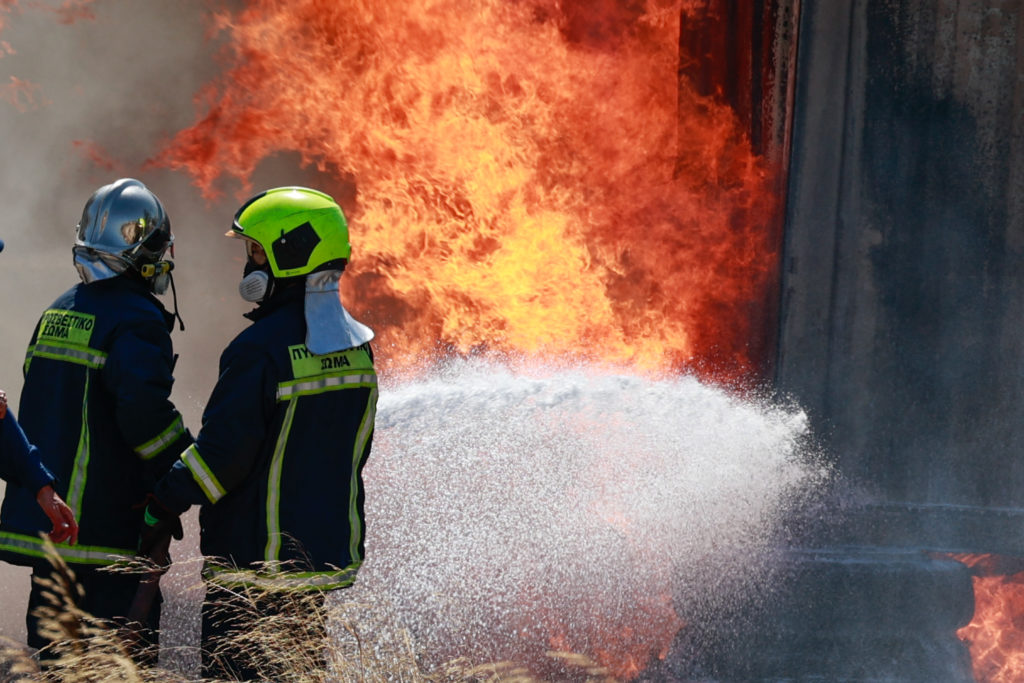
{"x":516,"y":510}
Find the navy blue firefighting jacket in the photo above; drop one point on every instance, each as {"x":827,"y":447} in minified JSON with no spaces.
{"x":19,"y":460}
{"x":96,"y":403}
{"x":277,"y":465}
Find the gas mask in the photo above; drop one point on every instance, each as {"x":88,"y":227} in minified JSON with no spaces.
{"x":161,"y":282}
{"x":158,"y":275}
{"x":255,"y":284}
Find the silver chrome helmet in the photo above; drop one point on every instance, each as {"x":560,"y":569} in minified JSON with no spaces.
{"x":123,"y":227}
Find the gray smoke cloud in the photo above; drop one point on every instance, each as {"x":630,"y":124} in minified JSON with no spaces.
{"x":122,"y":81}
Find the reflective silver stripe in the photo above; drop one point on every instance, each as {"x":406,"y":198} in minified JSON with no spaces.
{"x":74,"y":354}
{"x":34,"y":547}
{"x":288,"y":390}
{"x":355,"y":521}
{"x":155,"y":445}
{"x":76,"y":487}
{"x":328,"y":580}
{"x":274,"y":487}
{"x":202,"y":474}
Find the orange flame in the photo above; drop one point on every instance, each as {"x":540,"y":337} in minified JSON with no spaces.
{"x":995,"y":636}
{"x":525,"y":177}
{"x":622,"y":643}
{"x":627,"y":648}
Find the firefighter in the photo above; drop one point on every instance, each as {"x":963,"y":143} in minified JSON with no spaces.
{"x":277,"y":465}
{"x":96,"y":401}
{"x":21,"y":466}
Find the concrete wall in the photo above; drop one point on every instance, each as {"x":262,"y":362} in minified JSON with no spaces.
{"x":901,"y":324}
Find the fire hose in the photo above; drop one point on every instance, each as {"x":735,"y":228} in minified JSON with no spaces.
{"x":149,"y":582}
{"x":157,"y":562}
{"x":155,"y":558}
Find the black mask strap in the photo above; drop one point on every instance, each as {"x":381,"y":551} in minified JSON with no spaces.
{"x":174,"y":298}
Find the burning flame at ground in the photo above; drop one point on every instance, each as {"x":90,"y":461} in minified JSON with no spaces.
{"x":524,"y":176}
{"x":995,"y":636}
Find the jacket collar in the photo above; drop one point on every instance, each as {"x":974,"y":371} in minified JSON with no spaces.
{"x":282,"y":297}
{"x":125,"y":281}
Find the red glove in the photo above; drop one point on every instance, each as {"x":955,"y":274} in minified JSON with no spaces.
{"x":65,"y":528}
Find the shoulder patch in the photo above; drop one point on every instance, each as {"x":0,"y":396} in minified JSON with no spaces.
{"x":307,"y":364}
{"x":68,"y":327}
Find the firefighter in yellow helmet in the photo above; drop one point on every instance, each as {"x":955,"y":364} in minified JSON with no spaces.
{"x":277,"y":466}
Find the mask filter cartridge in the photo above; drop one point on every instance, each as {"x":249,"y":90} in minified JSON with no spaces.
{"x":253,"y":286}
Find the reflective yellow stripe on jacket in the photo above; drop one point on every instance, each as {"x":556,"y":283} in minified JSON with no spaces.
{"x":282,"y":580}
{"x":202,"y":473}
{"x":79,"y":554}
{"x":158,"y":443}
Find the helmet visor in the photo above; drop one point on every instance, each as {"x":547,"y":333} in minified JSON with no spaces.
{"x":255,"y":253}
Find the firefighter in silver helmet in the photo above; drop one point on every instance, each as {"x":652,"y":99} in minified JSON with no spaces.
{"x":96,"y":401}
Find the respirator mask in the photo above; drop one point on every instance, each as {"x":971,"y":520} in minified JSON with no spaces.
{"x":158,"y":275}
{"x":255,"y":284}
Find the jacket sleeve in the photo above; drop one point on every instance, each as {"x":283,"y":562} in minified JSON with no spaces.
{"x":19,"y":460}
{"x":230,"y":442}
{"x":138,"y":374}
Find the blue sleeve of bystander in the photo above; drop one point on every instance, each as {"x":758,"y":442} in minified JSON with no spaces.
{"x":19,"y":460}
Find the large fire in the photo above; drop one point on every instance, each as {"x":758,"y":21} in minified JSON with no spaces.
{"x":526,"y":177}
{"x":995,"y":635}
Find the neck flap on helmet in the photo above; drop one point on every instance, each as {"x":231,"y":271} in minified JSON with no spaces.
{"x":95,"y":265}
{"x":329,"y":327}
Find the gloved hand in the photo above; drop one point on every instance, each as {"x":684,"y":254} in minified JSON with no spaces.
{"x":3,"y":404}
{"x":158,"y":526}
{"x":65,"y":528}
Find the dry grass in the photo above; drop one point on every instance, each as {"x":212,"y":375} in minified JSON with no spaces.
{"x":286,"y":644}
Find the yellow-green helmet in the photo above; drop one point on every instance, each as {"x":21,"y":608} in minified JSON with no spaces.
{"x":301,"y":230}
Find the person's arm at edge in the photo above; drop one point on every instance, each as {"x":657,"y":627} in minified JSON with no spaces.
{"x":20,"y":464}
